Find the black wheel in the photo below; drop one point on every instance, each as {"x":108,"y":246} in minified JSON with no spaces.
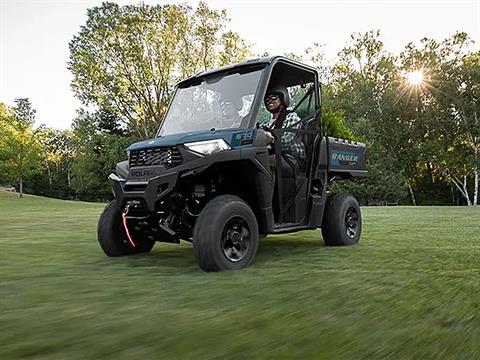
{"x":225,"y":236}
{"x":112,"y":236}
{"x":342,"y":220}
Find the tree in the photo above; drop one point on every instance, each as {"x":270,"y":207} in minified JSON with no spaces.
{"x":315,"y":56}
{"x":447,"y":102}
{"x":364,"y":71}
{"x":127,"y":59}
{"x":57,"y":161}
{"x":97,"y":147}
{"x":5,"y":120}
{"x":459,"y":95}
{"x":21,"y":149}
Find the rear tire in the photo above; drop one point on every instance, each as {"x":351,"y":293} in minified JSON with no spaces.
{"x":112,"y":237}
{"x":342,"y":220}
{"x":225,"y":236}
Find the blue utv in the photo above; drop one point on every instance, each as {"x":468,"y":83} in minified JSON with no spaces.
{"x":208,"y":181}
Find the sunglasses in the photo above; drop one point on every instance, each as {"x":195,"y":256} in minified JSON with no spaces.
{"x":272,"y":97}
{"x":226,"y":102}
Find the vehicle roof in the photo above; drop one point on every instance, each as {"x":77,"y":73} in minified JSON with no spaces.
{"x":247,"y":63}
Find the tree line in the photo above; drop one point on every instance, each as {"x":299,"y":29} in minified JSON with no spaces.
{"x":423,"y":134}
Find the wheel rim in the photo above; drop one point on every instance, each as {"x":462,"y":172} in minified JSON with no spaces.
{"x":352,"y":223}
{"x":236,"y":239}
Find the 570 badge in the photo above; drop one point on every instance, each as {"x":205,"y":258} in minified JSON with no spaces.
{"x":243,"y":138}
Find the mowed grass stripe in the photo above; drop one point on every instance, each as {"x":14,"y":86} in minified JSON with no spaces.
{"x":408,"y":290}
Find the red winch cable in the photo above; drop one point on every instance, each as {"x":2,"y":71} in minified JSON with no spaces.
{"x":124,"y":218}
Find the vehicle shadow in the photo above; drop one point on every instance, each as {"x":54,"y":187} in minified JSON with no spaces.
{"x":175,"y":258}
{"x":272,"y":248}
{"x":167,"y":257}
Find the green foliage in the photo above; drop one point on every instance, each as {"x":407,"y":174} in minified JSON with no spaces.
{"x":384,"y":184}
{"x":446,"y":109}
{"x":21,"y":149}
{"x":429,"y":131}
{"x":362,"y":77}
{"x":97,"y":150}
{"x":127,"y":59}
{"x":333,"y":125}
{"x":5,"y":120}
{"x":55,"y":179}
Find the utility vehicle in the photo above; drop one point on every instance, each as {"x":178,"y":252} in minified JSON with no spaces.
{"x":203,"y":181}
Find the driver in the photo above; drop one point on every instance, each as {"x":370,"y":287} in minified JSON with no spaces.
{"x":230,"y":107}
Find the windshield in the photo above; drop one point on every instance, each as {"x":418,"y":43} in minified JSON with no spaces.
{"x":219,"y":102}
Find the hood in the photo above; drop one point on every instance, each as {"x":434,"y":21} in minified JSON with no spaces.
{"x":229,"y":135}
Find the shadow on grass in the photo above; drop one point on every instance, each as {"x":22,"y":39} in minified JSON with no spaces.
{"x":181,"y":257}
{"x":178,"y":257}
{"x":293,"y":241}
{"x":284,"y":247}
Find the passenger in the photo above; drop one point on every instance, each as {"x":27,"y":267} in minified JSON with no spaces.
{"x":230,"y":107}
{"x":276,"y":101}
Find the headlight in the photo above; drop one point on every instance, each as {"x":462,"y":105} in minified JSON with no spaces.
{"x":208,"y":147}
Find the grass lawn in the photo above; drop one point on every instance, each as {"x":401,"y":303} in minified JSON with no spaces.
{"x":410,"y":289}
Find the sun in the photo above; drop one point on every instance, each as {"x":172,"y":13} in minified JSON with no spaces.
{"x":415,"y":84}
{"x":415,"y":78}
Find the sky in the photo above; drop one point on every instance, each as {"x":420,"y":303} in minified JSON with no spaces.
{"x":34,"y":36}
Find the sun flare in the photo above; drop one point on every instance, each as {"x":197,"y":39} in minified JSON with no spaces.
{"x":415,"y":77}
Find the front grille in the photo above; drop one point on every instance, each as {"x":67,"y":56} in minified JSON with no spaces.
{"x":168,"y":157}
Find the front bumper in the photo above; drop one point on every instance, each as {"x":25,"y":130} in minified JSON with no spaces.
{"x":148,"y":191}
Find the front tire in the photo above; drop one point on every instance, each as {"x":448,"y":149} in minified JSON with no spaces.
{"x":225,"y":236}
{"x":342,"y":220}
{"x":112,"y":237}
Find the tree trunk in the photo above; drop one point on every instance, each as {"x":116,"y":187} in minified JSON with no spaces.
{"x":475,"y":178}
{"x":462,"y":187}
{"x":452,"y":190}
{"x":21,"y":188}
{"x":49,"y":173}
{"x":412,"y":194}
{"x":465,"y":189}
